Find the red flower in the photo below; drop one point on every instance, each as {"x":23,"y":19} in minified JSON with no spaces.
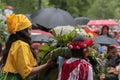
{"x":78,"y":44}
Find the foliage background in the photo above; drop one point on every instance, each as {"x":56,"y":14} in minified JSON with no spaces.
{"x":94,"y":9}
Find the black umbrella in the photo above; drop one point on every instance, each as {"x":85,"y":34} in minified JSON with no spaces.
{"x":49,"y":18}
{"x":105,"y":40}
{"x":81,"y":20}
{"x":42,"y":38}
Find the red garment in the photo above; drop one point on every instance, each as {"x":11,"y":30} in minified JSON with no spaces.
{"x":76,"y":69}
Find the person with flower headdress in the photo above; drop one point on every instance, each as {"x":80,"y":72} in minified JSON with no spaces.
{"x":77,"y":67}
{"x":18,"y":57}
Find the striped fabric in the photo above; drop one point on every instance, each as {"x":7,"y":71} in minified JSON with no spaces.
{"x":76,"y":69}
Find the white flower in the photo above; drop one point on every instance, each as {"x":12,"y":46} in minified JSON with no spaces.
{"x":77,"y":30}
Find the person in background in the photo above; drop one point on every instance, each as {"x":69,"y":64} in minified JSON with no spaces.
{"x":112,"y":73}
{"x":8,"y":10}
{"x":118,"y":61}
{"x":18,"y":57}
{"x":103,"y":56}
{"x":105,"y":31}
{"x":77,"y":67}
{"x":118,"y":50}
{"x":35,"y":46}
{"x":115,"y":34}
{"x":105,"y":49}
{"x":118,"y":69}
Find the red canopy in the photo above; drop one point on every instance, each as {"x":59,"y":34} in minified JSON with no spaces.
{"x":102,"y":23}
{"x":41,"y":32}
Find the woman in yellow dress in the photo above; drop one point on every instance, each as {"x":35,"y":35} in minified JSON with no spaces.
{"x":19,"y":60}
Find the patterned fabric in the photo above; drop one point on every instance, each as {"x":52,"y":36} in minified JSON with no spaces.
{"x":76,"y":69}
{"x":11,"y":76}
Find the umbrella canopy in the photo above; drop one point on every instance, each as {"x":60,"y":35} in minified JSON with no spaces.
{"x":102,"y":23}
{"x":63,"y":29}
{"x":38,"y":31}
{"x":41,"y":36}
{"x":49,"y":18}
{"x":105,"y":40}
{"x":81,"y":20}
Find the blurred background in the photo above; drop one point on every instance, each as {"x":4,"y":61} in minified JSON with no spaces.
{"x":94,"y":9}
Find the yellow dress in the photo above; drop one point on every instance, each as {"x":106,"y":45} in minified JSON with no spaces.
{"x":20,"y":59}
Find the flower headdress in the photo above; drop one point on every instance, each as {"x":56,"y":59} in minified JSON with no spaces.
{"x":80,"y":45}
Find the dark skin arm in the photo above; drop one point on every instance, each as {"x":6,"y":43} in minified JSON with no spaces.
{"x":37,"y":69}
{"x":112,"y":70}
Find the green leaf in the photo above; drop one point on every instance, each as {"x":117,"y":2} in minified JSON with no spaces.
{"x":42,"y":54}
{"x":60,"y":51}
{"x":91,"y":54}
{"x":44,"y":48}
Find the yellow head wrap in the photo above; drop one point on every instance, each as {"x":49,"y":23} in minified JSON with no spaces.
{"x":17,"y":23}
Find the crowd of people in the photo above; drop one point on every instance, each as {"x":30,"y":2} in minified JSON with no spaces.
{"x":20,"y":62}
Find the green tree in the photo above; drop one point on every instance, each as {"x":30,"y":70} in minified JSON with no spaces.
{"x":45,"y":3}
{"x":75,"y":7}
{"x":3,"y":33}
{"x":2,"y":5}
{"x":23,"y":6}
{"x":104,"y":9}
{"x":117,"y":9}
